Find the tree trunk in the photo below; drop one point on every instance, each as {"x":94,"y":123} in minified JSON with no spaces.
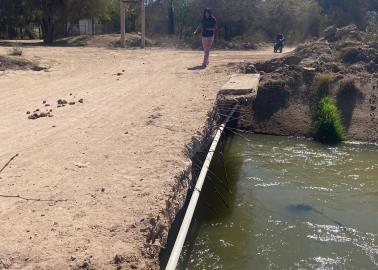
{"x":227,"y":34}
{"x":21,"y":32}
{"x":47,"y":23}
{"x":171,"y":20}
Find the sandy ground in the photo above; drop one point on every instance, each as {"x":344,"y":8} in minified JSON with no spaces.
{"x":111,"y":159}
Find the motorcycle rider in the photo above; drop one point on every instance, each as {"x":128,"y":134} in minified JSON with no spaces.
{"x":280,"y":39}
{"x":279,"y":43}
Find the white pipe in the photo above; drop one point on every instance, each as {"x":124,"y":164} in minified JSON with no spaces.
{"x":180,"y":240}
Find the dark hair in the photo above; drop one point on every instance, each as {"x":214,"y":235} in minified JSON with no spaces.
{"x":207,"y":10}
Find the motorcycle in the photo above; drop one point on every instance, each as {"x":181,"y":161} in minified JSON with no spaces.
{"x":278,"y":46}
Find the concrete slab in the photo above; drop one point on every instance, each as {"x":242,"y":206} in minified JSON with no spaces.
{"x":241,"y":84}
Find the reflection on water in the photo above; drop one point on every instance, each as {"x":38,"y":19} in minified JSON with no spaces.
{"x":287,"y":203}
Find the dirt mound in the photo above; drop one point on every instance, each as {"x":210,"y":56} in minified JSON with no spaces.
{"x":350,"y":32}
{"x":112,"y":40}
{"x":348,"y":52}
{"x":17,"y":63}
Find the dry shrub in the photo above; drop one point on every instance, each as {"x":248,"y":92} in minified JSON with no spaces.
{"x":322,"y":85}
{"x":16,"y":51}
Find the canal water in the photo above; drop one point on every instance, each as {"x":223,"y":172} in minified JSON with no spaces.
{"x":287,"y":203}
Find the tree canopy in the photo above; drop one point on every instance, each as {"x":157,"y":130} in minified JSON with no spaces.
{"x":257,"y":20}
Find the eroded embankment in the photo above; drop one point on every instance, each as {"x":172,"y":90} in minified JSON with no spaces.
{"x":287,"y":95}
{"x":161,"y":232}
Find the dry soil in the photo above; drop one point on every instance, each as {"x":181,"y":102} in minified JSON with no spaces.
{"x":89,"y":172}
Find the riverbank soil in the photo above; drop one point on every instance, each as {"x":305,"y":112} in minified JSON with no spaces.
{"x":100,"y":137}
{"x":286,"y":99}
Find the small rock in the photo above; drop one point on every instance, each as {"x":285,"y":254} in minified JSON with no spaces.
{"x":81,"y":165}
{"x":119,"y":74}
{"x":44,"y":102}
{"x":28,"y":112}
{"x":72,"y":103}
{"x":102,"y":189}
{"x":373,"y":108}
{"x":118,"y":259}
{"x":251,"y":69}
{"x":85,"y":265}
{"x":33,"y":116}
{"x":72,"y":258}
{"x":81,"y":100}
{"x":37,"y":110}
{"x":62,"y":101}
{"x":70,"y":94}
{"x":153,"y":221}
{"x":47,"y":105}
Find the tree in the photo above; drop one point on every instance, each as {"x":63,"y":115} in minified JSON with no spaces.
{"x":15,"y":15}
{"x":251,"y":20}
{"x":344,"y":12}
{"x":372,"y":26}
{"x":52,"y":15}
{"x":59,"y":12}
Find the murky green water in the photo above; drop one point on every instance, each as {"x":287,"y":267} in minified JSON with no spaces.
{"x":292,"y":204}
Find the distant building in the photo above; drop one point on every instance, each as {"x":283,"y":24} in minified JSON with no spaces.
{"x":81,"y":27}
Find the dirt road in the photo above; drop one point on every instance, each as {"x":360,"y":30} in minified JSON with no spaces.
{"x":111,"y":159}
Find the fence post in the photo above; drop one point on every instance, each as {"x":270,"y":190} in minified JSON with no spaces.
{"x":123,"y":18}
{"x":143,"y":23}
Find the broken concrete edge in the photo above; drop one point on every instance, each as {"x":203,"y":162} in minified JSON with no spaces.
{"x":240,"y":89}
{"x":241,"y":84}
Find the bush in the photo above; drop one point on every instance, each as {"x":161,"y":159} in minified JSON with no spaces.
{"x":372,"y":26}
{"x":353,"y":55}
{"x":17,"y":51}
{"x":322,"y":85}
{"x":328,"y":122}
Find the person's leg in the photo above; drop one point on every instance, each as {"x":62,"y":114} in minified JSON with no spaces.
{"x":205,"y":50}
{"x":208,"y":44}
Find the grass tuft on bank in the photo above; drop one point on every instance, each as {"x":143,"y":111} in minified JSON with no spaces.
{"x":328,"y":122}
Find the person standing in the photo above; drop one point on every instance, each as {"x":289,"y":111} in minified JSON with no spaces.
{"x":209,"y":25}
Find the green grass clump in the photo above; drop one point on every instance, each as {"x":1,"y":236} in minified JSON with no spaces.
{"x":328,"y":122}
{"x":322,"y":85}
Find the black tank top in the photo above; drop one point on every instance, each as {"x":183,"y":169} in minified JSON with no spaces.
{"x":207,"y":23}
